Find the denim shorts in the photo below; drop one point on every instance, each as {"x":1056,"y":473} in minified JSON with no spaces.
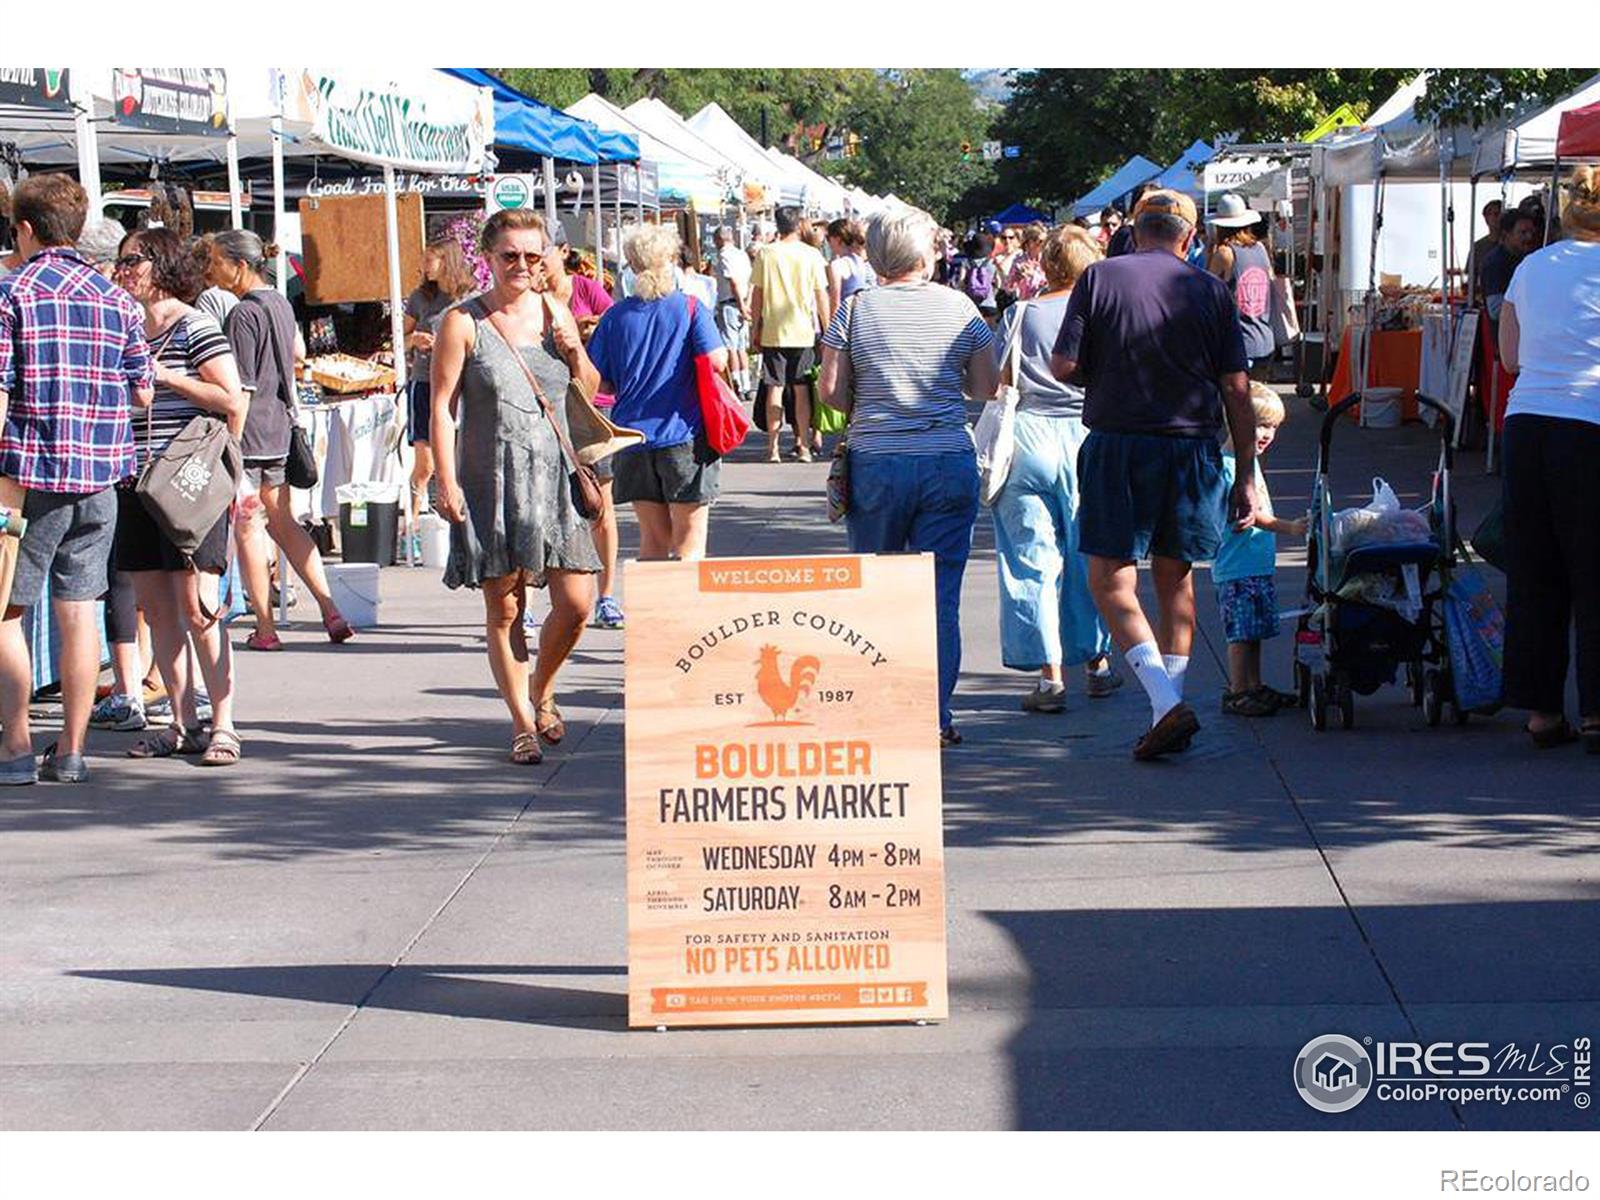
{"x":1249,"y":608}
{"x":664,"y":475}
{"x":1144,"y":495}
{"x":68,"y":539}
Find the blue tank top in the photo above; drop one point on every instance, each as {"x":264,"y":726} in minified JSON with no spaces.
{"x":1251,"y":284}
{"x":855,"y":273}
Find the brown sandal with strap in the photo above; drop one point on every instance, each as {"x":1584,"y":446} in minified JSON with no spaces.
{"x":168,"y":742}
{"x":224,"y":749}
{"x":525,"y":750}
{"x":555,"y":728}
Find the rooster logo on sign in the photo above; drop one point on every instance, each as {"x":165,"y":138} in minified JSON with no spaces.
{"x":782,"y":695}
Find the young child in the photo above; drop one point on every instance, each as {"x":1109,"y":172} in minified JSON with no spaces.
{"x":1243,"y":572}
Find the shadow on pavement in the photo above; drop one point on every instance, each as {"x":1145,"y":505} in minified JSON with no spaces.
{"x":451,"y":990}
{"x":1191,"y":1018}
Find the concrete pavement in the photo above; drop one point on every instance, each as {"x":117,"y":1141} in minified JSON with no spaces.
{"x":375,"y":922}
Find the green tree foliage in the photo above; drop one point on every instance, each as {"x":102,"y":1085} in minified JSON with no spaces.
{"x":1457,"y":96}
{"x":1075,"y":126}
{"x":911,"y":123}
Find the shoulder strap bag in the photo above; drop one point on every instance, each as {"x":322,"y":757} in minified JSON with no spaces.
{"x":190,"y":485}
{"x":838,"y":489}
{"x":722,"y":416}
{"x":995,"y":435}
{"x":581,"y":478}
{"x":594,"y":435}
{"x":300,"y":468}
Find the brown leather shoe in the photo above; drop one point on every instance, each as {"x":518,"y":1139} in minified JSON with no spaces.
{"x":1168,"y":735}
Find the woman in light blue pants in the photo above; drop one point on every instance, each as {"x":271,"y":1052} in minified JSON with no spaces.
{"x":1047,"y":618}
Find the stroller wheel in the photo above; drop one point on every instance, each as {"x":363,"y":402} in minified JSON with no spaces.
{"x":1345,"y":700}
{"x":1414,"y":672}
{"x":1317,"y":700}
{"x":1432,"y":697}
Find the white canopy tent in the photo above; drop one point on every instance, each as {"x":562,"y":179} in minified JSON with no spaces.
{"x":819,"y":194}
{"x":722,"y":131}
{"x":687,"y":166}
{"x":791,"y":183}
{"x":1529,"y":140}
{"x":656,"y":118}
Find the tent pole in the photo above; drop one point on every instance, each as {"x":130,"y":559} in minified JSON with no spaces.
{"x":1472,"y":266}
{"x":1551,"y":208}
{"x":88,"y":142}
{"x":616,"y":225}
{"x":550,"y":192}
{"x":397,"y":327}
{"x":281,"y":269}
{"x":599,"y":217}
{"x":282,"y":261}
{"x":391,"y":224}
{"x":235,"y":203}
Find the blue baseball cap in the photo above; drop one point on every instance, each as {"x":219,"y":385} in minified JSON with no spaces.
{"x":991,"y":226}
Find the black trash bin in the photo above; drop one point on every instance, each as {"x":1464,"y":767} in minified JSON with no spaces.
{"x":367,"y":531}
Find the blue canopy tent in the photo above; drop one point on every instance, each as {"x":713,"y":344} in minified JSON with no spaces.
{"x":1123,"y":180}
{"x":524,"y":123}
{"x":1021,"y":214}
{"x":530,"y":126}
{"x":1185,"y":175}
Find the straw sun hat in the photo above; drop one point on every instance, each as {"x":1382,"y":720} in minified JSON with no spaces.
{"x":1233,"y":213}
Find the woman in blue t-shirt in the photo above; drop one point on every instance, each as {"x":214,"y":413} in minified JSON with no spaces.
{"x":645,"y":349}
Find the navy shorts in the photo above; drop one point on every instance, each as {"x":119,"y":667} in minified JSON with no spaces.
{"x":419,"y":409}
{"x":1143,"y":495}
{"x":1249,"y":608}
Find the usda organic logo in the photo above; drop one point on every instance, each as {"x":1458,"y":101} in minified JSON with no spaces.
{"x":510,"y":192}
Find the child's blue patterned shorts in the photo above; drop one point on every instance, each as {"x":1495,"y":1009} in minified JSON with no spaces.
{"x":1249,"y":608}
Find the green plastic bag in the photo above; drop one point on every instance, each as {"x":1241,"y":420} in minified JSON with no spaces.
{"x":827,"y":419}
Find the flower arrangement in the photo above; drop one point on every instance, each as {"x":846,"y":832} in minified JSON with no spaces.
{"x":465,"y":229}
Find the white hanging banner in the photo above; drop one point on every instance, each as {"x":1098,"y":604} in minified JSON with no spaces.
{"x":416,"y":120}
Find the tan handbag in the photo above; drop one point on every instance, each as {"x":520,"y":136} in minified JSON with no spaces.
{"x":594,"y":436}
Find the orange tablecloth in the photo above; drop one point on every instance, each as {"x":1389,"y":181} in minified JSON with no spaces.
{"x":1396,"y":362}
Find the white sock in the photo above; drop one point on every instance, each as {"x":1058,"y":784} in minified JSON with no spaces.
{"x":1050,"y":685}
{"x":1177,"y":666}
{"x":1145,"y":659}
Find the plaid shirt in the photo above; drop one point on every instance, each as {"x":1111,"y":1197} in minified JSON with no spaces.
{"x":72,"y":350}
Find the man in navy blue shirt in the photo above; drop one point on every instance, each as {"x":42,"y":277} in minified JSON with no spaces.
{"x":1157,"y":346}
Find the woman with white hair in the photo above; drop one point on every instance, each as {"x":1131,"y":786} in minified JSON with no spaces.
{"x":644,"y":348}
{"x":898,"y":358}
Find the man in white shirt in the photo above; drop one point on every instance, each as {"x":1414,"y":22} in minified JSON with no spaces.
{"x":733,"y":307}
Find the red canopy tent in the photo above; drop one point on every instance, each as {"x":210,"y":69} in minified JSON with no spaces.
{"x":1579,"y":135}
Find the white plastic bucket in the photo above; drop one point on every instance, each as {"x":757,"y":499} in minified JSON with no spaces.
{"x":434,"y":531}
{"x":355,"y":591}
{"x":1380,"y":407}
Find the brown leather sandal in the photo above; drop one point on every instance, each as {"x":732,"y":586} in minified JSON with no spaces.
{"x":555,"y":728}
{"x":168,"y":742}
{"x":525,"y":751}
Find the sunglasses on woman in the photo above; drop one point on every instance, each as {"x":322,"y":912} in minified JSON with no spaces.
{"x":129,"y":261}
{"x":512,"y":257}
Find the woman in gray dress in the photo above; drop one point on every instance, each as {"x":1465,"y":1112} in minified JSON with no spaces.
{"x":504,"y":487}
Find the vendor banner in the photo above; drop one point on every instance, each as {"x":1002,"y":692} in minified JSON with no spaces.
{"x":639,"y":184}
{"x":785,"y":838}
{"x":181,"y":100}
{"x":35,"y":87}
{"x":419,"y":121}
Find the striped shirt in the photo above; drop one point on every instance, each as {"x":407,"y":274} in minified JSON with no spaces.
{"x":909,"y":344}
{"x":189,"y":342}
{"x":72,"y":351}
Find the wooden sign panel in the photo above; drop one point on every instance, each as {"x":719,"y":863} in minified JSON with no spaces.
{"x":785,"y":834}
{"x":346,"y":247}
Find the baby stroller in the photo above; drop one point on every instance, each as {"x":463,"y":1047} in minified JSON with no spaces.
{"x":1377,"y":606}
